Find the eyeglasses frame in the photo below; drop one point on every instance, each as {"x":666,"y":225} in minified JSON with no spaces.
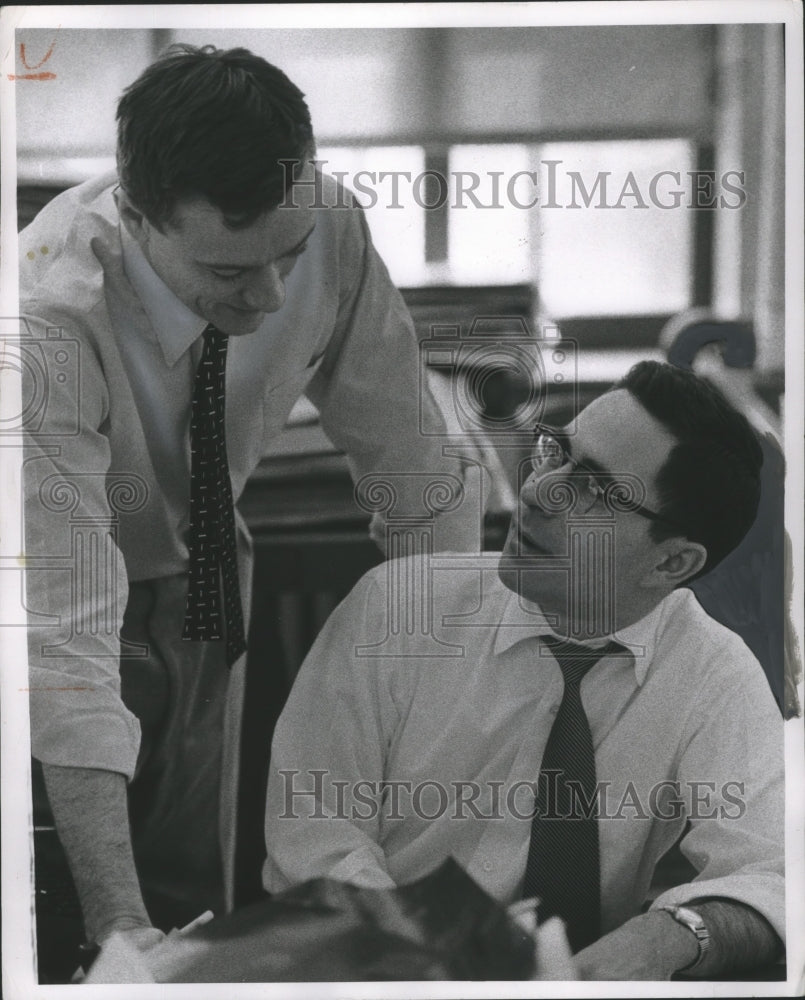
{"x":567,"y":459}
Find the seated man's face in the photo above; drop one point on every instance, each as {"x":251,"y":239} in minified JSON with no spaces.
{"x":591,"y":565}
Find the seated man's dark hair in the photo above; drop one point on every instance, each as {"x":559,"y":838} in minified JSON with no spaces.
{"x":210,"y":123}
{"x":710,"y":483}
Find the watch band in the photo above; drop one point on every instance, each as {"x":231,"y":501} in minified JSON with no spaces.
{"x":693,"y":921}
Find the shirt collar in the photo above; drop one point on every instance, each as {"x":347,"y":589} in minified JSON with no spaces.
{"x":176,"y":327}
{"x":522,"y":619}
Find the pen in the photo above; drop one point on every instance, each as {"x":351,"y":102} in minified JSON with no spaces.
{"x":200,"y":920}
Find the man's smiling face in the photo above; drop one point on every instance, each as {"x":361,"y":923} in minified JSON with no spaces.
{"x":230,"y":277}
{"x":614,"y":433}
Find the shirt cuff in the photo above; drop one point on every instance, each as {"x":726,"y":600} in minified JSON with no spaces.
{"x":763,"y":893}
{"x":78,"y":724}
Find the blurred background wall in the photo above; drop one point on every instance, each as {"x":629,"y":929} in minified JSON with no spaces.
{"x":616,"y":99}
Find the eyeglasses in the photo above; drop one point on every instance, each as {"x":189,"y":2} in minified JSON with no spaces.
{"x":550,"y":453}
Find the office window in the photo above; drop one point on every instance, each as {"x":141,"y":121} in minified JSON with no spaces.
{"x":607,"y":244}
{"x":595,"y":225}
{"x":489,"y":239}
{"x":384,"y":179}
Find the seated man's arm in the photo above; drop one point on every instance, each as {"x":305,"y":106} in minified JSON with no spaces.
{"x":654,"y":946}
{"x":328,"y":755}
{"x":732,"y":780}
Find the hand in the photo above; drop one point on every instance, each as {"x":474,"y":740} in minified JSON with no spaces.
{"x":377,"y":531}
{"x":123,"y":956}
{"x":553,"y":957}
{"x":649,"y":947}
{"x":460,"y":530}
{"x":140,"y":937}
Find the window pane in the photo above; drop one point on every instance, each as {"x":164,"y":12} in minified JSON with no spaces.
{"x":608,"y":247}
{"x":488,"y":222}
{"x":396,"y":220}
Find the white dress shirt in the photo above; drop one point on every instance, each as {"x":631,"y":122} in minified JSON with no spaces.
{"x":399,"y":706}
{"x":116,"y":352}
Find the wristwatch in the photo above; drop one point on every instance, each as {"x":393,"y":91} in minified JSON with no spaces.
{"x":693,"y":921}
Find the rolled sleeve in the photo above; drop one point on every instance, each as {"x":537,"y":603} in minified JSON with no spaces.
{"x":75,"y":723}
{"x":761,"y":891}
{"x":76,"y":583}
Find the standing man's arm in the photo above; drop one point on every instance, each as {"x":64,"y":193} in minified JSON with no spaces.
{"x":374,"y":400}
{"x":85,"y":738}
{"x":90,"y":809}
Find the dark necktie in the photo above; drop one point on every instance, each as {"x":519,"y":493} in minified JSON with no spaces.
{"x":563,"y":868}
{"x":212,"y":544}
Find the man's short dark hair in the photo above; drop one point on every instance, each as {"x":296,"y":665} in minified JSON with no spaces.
{"x":710,"y":483}
{"x":210,"y":123}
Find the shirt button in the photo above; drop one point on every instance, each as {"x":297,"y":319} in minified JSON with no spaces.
{"x":487,"y":866}
{"x":553,"y":710}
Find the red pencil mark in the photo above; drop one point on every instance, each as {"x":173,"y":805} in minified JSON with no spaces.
{"x":34,"y":76}
{"x":41,"y":62}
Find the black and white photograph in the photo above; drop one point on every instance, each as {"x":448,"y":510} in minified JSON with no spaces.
{"x":401,"y":528}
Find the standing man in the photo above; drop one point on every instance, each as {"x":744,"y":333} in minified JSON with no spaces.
{"x":582,"y":714}
{"x":180,"y":308}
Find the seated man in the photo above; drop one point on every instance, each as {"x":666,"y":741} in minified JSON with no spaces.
{"x":571,"y":712}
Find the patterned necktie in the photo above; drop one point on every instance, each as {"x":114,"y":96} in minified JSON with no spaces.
{"x":563,"y":868}
{"x":212,"y":544}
